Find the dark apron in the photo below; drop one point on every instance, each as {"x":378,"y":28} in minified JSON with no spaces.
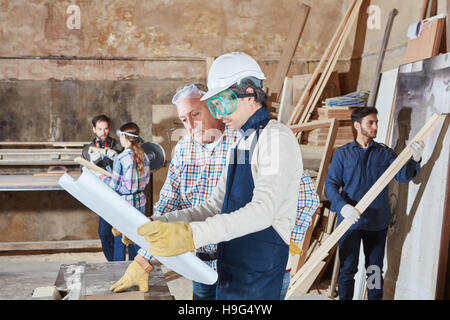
{"x":252,"y":266}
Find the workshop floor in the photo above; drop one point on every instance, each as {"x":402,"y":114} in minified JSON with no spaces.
{"x":20,"y":275}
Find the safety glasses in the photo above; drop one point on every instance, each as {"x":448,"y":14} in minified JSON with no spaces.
{"x":225,"y":102}
{"x":119,"y":133}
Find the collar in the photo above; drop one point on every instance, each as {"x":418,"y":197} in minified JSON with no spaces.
{"x":255,"y":120}
{"x":355,"y":144}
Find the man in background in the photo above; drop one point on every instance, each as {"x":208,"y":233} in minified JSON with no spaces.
{"x":101,"y":125}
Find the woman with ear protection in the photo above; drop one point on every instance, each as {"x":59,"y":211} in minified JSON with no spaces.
{"x":130,"y":175}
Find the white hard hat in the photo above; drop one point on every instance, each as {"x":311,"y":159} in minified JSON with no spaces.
{"x":231,"y":68}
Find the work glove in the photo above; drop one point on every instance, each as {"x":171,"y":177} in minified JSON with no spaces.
{"x":417,"y":149}
{"x":135,"y":275}
{"x":94,"y":156}
{"x":115,"y":232}
{"x":294,"y":249}
{"x":167,"y":238}
{"x":350,"y":212}
{"x":110,"y":153}
{"x":124,"y":240}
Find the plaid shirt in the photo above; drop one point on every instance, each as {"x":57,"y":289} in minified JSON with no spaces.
{"x":126,"y":180}
{"x":193,"y":173}
{"x":308,"y":202}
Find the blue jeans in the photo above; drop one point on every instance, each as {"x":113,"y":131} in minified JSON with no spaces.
{"x":204,"y":291}
{"x":284,"y":288}
{"x":374,"y":243}
{"x":120,"y":250}
{"x":106,"y":238}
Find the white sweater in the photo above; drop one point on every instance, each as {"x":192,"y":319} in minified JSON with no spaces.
{"x":277,"y":168}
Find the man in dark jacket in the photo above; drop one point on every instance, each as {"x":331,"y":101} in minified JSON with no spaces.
{"x":101,"y":125}
{"x":354,"y":169}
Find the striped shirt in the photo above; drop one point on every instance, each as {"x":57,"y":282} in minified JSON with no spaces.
{"x":126,"y":180}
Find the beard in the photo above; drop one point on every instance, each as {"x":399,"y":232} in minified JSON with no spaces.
{"x":372,"y":134}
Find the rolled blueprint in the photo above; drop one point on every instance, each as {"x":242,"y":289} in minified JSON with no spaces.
{"x":97,"y":196}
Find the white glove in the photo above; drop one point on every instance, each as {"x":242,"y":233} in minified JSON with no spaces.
{"x":417,"y":149}
{"x":350,"y":212}
{"x":110,"y":153}
{"x":94,"y":156}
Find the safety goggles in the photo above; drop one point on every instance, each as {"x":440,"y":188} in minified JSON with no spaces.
{"x":225,"y":102}
{"x":119,"y":133}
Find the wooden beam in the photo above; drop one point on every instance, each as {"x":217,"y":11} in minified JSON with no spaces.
{"x":325,"y":163}
{"x":50,"y":245}
{"x":92,"y":166}
{"x":363,"y":204}
{"x":311,"y":125}
{"x":295,"y":32}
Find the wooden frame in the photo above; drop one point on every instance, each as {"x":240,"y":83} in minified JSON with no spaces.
{"x":362,"y":205}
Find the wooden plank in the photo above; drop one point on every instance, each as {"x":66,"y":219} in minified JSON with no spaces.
{"x":362,"y":205}
{"x":286,"y":102}
{"x":50,"y":245}
{"x":376,"y":80}
{"x":428,"y":43}
{"x":311,"y":125}
{"x":423,"y":10}
{"x":63,"y":144}
{"x":325,"y":163}
{"x":295,"y":32}
{"x":92,"y":166}
{"x":334,"y":40}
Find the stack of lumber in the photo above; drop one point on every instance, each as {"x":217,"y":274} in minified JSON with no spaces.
{"x":345,"y":133}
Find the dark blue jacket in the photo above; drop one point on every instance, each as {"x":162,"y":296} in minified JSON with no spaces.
{"x":356,"y":169}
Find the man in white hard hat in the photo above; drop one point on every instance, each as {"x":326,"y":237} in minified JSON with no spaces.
{"x":252,"y":210}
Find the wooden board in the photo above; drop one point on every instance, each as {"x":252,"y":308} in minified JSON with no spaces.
{"x":50,"y":245}
{"x":286,"y":102}
{"x":427,"y":45}
{"x":385,"y":104}
{"x":295,"y":32}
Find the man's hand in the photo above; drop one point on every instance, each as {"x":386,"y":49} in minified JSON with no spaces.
{"x":167,"y":238}
{"x":135,"y":275}
{"x":110,"y":153}
{"x":94,"y":156}
{"x":350,"y":212}
{"x":417,"y":149}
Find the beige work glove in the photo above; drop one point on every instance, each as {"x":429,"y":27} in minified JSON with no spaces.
{"x":117,"y":233}
{"x":167,"y":239}
{"x":135,"y":275}
{"x":294,"y":249}
{"x":110,"y":153}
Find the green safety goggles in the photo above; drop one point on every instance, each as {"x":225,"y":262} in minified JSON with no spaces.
{"x":225,"y":102}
